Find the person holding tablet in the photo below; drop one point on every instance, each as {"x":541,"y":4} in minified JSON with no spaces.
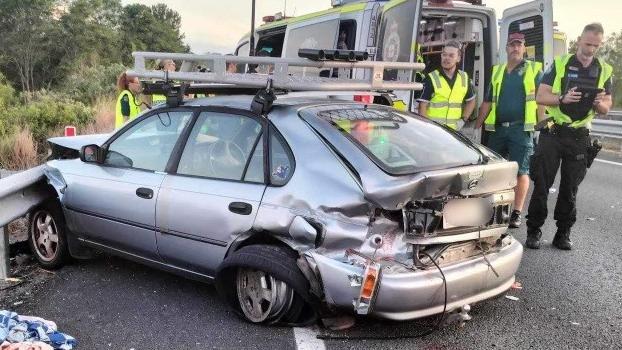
{"x":574,"y":89}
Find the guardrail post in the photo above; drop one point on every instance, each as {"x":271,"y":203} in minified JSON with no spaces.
{"x":4,"y":254}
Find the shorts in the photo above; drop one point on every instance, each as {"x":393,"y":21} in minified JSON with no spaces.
{"x":514,"y":144}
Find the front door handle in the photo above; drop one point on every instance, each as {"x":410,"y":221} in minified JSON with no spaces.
{"x":144,"y":192}
{"x":240,"y":208}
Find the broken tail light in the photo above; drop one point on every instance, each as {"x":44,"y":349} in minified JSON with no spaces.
{"x":368,"y":288}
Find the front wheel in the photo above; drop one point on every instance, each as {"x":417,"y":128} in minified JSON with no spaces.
{"x":47,"y":235}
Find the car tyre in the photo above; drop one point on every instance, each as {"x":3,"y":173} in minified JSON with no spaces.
{"x":47,"y":235}
{"x":264,"y":285}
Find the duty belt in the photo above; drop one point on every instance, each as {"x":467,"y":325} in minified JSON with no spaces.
{"x":563,"y":130}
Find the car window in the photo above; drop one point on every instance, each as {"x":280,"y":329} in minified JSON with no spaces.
{"x":400,"y":142}
{"x":281,"y":162}
{"x":254,"y":173}
{"x":312,"y":36}
{"x":148,"y":144}
{"x":219,"y":146}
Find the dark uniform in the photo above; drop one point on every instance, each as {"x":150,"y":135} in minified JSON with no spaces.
{"x":566,"y":142}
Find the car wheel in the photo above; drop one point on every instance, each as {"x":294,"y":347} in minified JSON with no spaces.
{"x":264,"y":285}
{"x":47,"y":235}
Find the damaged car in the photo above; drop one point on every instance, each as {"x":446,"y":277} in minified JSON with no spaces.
{"x":319,"y":207}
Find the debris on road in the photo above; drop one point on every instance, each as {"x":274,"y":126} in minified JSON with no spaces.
{"x":511,"y":297}
{"x":552,"y":190}
{"x":575,"y":323}
{"x":18,"y":329}
{"x":591,"y":219}
{"x":517,"y":285}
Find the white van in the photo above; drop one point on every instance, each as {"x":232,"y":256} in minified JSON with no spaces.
{"x":391,"y":31}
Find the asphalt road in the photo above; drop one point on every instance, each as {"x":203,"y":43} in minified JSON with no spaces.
{"x":569,"y":300}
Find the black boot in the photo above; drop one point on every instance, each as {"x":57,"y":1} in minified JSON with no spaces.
{"x":533,"y":238}
{"x":562,"y":239}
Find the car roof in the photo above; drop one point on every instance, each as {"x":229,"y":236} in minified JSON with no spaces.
{"x":243,"y":102}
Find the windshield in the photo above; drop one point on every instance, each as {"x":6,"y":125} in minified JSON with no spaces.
{"x":400,"y":142}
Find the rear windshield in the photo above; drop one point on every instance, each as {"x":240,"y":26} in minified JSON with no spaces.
{"x":399,"y":142}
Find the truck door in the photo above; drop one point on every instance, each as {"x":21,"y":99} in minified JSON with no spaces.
{"x":535,"y":20}
{"x":399,"y":21}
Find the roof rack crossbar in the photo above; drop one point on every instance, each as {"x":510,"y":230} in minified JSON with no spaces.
{"x":281,"y":75}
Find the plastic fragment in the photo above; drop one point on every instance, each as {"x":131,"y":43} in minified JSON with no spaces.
{"x":552,"y":190}
{"x":511,"y":297}
{"x":517,"y":285}
{"x":590,"y":219}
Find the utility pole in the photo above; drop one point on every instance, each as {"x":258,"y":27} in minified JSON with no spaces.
{"x":251,"y":51}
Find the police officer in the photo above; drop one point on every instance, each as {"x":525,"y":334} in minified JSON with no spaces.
{"x":127,"y":107}
{"x":167,"y":65}
{"x":510,"y":113}
{"x":446,"y":90}
{"x":565,"y":90}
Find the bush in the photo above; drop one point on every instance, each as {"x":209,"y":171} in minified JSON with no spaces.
{"x":7,"y":93}
{"x":43,"y":115}
{"x":89,"y":83}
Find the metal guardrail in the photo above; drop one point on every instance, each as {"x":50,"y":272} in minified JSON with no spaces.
{"x":607,"y":128}
{"x":19,"y":193}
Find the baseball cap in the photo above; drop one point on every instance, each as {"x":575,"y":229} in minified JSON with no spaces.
{"x":516,"y":37}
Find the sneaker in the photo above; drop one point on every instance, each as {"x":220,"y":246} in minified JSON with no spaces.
{"x":533,"y":238}
{"x":515,"y":220}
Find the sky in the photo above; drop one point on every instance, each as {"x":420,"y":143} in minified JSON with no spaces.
{"x":216,"y":26}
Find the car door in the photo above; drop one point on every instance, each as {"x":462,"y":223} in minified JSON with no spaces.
{"x":535,"y":20}
{"x":113,"y":204}
{"x":214,"y":193}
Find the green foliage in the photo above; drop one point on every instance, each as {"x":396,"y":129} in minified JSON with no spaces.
{"x":44,"y":114}
{"x":7,"y":93}
{"x":92,"y":82}
{"x":611,"y":52}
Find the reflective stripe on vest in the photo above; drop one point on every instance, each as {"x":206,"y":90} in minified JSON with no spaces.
{"x":560,"y":72}
{"x":158,"y":99}
{"x":134,"y":109}
{"x":446,"y":103}
{"x":529,"y":83}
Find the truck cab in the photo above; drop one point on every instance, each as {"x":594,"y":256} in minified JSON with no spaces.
{"x":411,"y":30}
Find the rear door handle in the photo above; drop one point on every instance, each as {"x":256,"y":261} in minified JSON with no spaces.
{"x":144,"y":192}
{"x":240,"y":208}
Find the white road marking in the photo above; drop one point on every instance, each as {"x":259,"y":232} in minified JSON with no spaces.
{"x":607,"y":161}
{"x":306,"y":339}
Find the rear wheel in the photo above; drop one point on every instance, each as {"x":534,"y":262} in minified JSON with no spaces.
{"x":47,"y":235}
{"x":264,"y":285}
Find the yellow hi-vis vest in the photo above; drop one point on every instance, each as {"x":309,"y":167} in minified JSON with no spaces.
{"x":119,"y":119}
{"x":446,"y":103}
{"x":560,"y":72}
{"x":157,"y":98}
{"x":531,"y":107}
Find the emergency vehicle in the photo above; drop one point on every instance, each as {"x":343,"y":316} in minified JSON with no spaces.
{"x":412,"y":30}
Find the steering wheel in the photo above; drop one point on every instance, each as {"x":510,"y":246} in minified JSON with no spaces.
{"x":226,"y":159}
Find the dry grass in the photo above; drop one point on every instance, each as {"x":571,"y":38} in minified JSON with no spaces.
{"x":104,"y":117}
{"x":18,"y":151}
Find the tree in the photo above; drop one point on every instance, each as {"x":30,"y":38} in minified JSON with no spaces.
{"x":611,"y":52}
{"x":155,"y":28}
{"x":24,"y":38}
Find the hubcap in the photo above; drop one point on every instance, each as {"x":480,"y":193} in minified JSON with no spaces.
{"x":261,"y":296}
{"x":45,"y":235}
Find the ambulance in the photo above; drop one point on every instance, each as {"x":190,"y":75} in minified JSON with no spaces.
{"x":414,"y":30}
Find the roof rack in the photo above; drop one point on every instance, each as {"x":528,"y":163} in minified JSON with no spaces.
{"x":282,"y":76}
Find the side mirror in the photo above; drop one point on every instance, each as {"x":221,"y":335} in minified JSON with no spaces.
{"x":92,"y":154}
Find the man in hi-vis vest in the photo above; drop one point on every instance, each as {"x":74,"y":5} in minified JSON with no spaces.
{"x":510,"y":113}
{"x":574,"y":89}
{"x":448,"y":95}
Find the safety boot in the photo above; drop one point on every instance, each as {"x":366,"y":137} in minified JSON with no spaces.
{"x":533,"y":238}
{"x":562,"y":239}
